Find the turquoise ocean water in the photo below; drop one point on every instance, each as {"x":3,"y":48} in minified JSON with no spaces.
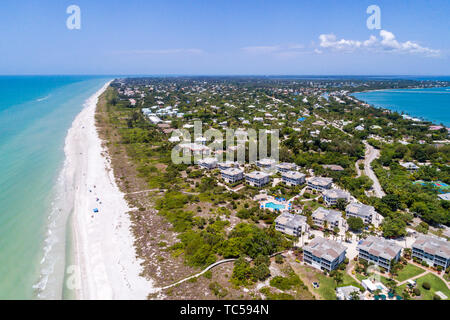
{"x":430,"y":104}
{"x":35,"y":114}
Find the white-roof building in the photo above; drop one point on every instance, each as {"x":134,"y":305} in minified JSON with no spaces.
{"x":319,"y":183}
{"x":331,"y":196}
{"x":293,"y":178}
{"x":292,"y":224}
{"x":232,"y":175}
{"x":257,"y":178}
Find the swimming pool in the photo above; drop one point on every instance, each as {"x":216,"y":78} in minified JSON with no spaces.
{"x":271,"y":205}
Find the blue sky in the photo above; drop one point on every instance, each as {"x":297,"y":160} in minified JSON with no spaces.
{"x":225,"y":37}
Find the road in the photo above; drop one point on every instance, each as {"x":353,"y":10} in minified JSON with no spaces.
{"x":371,"y":155}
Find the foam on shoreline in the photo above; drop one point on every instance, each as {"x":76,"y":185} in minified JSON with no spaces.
{"x":104,"y":259}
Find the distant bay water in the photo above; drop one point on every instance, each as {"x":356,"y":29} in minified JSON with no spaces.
{"x":432,"y":104}
{"x":35,"y":114}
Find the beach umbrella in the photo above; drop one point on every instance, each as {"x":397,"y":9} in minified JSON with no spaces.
{"x":95,"y":210}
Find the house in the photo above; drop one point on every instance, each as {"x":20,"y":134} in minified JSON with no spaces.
{"x":293,"y":178}
{"x":380,"y":251}
{"x":433,"y":250}
{"x":292,"y":224}
{"x":333,"y":167}
{"x":227,"y":165}
{"x":332,"y":218}
{"x":331,"y":196}
{"x":257,"y":178}
{"x":232,"y":175}
{"x":410,"y":166}
{"x":444,"y":196}
{"x":286,"y":166}
{"x":194,"y":148}
{"x":208,"y":163}
{"x":324,"y":254}
{"x":266,"y":163}
{"x":359,"y":210}
{"x":319,"y":183}
{"x":345,"y":293}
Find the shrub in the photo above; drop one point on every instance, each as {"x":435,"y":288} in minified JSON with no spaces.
{"x":436,"y":297}
{"x":416,"y":292}
{"x":426,"y":286}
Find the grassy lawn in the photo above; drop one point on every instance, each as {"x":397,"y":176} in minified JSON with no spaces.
{"x":408,"y":271}
{"x":436,"y":285}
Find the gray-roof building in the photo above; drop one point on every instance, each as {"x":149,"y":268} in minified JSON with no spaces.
{"x":359,"y":210}
{"x":331,"y":196}
{"x":324,"y":253}
{"x":379,"y":251}
{"x":232,"y":175}
{"x":319,"y":183}
{"x":257,"y":178}
{"x":292,"y":224}
{"x":433,"y":250}
{"x":332,"y":217}
{"x":293,"y":178}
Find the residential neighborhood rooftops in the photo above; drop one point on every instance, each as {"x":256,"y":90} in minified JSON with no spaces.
{"x":433,"y":245}
{"x":325,"y":248}
{"x":380,"y":247}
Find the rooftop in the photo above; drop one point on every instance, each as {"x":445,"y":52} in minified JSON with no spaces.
{"x":326,"y":214}
{"x":433,"y":245}
{"x":360,"y":209}
{"x":325,"y":248}
{"x":232,"y":171}
{"x":321,"y":181}
{"x":291,"y":220}
{"x":336,"y":193}
{"x":257,"y":175}
{"x":293,"y":174}
{"x":380,"y":247}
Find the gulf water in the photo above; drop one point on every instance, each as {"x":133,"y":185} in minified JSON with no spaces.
{"x":432,"y":104}
{"x":35,"y":114}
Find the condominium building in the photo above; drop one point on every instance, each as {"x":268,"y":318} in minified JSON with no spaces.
{"x":359,"y":210}
{"x":232,"y":175}
{"x":319,"y":183}
{"x":433,"y":250}
{"x":380,"y":251}
{"x":323,"y":254}
{"x":293,"y":178}
{"x":292,"y":224}
{"x":332,"y":218}
{"x":208,"y":163}
{"x":266,"y":163}
{"x":227,"y":165}
{"x":331,"y":196}
{"x":286,"y":166}
{"x":257,"y":178}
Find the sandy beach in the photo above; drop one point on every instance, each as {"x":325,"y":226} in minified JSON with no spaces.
{"x":105,"y":262}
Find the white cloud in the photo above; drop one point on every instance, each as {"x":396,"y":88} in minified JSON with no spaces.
{"x":387,"y":43}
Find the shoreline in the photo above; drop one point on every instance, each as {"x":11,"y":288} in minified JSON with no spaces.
{"x":423,"y":119}
{"x":105,"y":264}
